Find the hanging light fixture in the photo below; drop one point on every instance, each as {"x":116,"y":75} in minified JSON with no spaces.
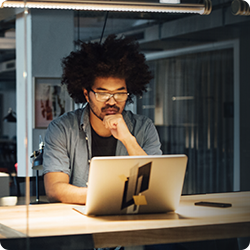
{"x":240,"y":7}
{"x":11,"y":117}
{"x":202,"y":9}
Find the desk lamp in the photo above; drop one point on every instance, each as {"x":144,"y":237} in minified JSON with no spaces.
{"x":10,"y":117}
{"x":37,"y":164}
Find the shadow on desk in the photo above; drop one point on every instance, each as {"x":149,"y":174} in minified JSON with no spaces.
{"x":168,"y":216}
{"x":129,"y":217}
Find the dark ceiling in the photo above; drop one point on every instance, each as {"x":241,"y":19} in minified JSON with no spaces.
{"x":89,"y":25}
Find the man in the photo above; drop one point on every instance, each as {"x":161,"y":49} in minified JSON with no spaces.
{"x":105,"y":77}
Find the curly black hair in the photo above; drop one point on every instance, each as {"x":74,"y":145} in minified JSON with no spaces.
{"x":116,"y":57}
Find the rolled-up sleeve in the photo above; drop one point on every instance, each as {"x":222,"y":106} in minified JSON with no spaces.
{"x":144,"y":131}
{"x":151,"y":142}
{"x":56,"y":157}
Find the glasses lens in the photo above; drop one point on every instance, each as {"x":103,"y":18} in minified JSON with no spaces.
{"x":120,"y":97}
{"x":102,"y":97}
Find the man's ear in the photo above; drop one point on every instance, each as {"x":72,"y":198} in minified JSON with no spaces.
{"x":86,"y":94}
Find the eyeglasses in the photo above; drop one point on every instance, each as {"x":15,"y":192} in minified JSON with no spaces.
{"x":104,"y":97}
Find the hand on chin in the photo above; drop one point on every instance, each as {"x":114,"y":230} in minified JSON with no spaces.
{"x":117,"y":126}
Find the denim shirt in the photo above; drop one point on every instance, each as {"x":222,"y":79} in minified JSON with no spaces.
{"x":68,"y":143}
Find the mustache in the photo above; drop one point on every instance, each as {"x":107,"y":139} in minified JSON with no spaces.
{"x":110,"y":106}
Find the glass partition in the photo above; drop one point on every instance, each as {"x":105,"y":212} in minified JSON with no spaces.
{"x":198,"y":98}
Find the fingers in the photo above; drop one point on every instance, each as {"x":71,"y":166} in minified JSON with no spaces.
{"x":117,"y":126}
{"x":112,"y":121}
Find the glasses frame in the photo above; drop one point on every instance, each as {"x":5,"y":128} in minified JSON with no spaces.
{"x":110,"y":95}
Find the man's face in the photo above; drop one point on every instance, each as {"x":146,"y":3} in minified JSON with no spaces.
{"x":109,"y":85}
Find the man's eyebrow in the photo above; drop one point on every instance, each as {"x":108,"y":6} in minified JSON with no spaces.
{"x":122,"y":88}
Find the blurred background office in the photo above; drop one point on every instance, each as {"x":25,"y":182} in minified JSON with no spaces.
{"x":198,"y":99}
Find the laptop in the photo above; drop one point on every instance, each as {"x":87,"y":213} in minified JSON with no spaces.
{"x":134,"y":184}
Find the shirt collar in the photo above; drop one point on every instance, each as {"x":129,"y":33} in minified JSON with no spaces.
{"x":85,"y":117}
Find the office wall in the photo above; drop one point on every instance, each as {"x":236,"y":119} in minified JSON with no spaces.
{"x":43,"y":38}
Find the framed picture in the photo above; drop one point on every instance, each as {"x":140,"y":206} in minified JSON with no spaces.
{"x":51,"y":100}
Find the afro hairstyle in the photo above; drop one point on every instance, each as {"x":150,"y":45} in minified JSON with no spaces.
{"x":115,"y":57}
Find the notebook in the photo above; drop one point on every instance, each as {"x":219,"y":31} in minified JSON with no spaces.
{"x":134,"y":184}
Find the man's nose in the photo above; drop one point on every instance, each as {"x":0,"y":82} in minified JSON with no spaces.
{"x":111,"y":101}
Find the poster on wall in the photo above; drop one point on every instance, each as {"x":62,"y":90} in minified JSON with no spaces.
{"x":51,"y":100}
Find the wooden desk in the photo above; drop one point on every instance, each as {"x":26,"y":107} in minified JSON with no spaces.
{"x":53,"y":223}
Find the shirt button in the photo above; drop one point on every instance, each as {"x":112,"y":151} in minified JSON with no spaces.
{"x":86,"y":138}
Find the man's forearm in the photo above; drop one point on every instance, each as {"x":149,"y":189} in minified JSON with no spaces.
{"x":58,"y":189}
{"x":133,"y":147}
{"x":67,"y":193}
